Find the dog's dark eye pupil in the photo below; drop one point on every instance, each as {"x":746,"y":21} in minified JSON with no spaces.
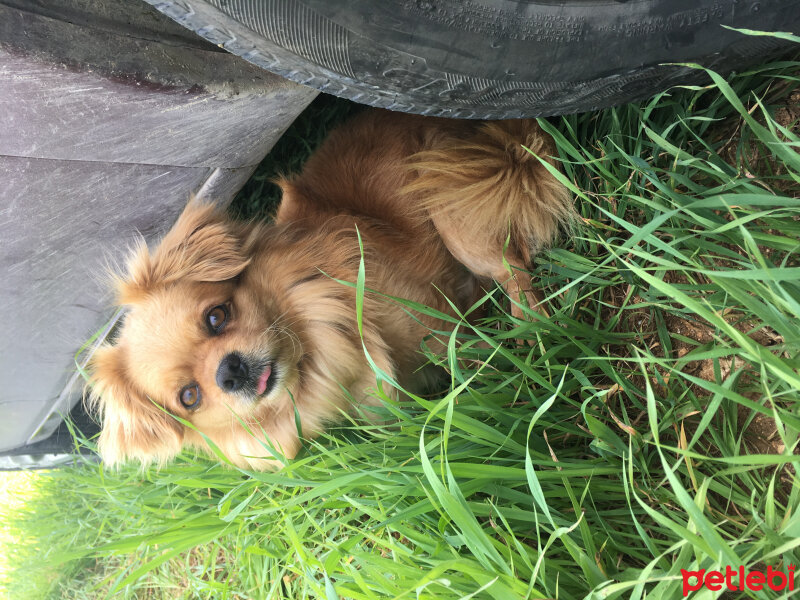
{"x":216,"y":317}
{"x":190,"y":396}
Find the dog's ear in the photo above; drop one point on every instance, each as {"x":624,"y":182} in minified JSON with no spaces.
{"x":132,"y":426}
{"x":203,"y":245}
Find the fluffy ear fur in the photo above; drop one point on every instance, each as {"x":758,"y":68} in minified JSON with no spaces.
{"x":203,"y":245}
{"x":133,"y":427}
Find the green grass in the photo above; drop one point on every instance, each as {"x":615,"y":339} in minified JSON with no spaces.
{"x":651,"y":425}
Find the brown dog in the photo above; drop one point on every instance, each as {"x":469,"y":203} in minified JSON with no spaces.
{"x":237,"y":327}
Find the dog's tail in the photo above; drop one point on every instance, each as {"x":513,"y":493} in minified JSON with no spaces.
{"x":490,"y":187}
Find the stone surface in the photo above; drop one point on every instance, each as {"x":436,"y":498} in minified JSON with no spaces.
{"x":111,"y":116}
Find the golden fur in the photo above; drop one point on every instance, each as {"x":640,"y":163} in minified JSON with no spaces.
{"x":435,"y":203}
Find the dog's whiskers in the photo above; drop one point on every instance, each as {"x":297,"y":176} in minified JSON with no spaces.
{"x":284,"y":330}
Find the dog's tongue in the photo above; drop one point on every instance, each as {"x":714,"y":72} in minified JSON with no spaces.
{"x":262,"y":381}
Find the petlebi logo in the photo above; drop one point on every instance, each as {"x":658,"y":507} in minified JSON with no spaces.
{"x":735,"y":579}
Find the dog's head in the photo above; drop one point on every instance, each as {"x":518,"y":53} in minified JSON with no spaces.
{"x":199,"y":342}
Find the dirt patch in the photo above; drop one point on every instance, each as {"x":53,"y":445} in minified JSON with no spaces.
{"x":788,"y":116}
{"x":687,"y":333}
{"x":750,"y":157}
{"x":761,"y":435}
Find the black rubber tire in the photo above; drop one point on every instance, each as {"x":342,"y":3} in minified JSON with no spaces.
{"x":489,"y":58}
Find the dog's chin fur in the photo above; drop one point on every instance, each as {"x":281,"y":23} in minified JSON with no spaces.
{"x":437,"y":204}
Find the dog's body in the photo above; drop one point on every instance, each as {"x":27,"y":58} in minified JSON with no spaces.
{"x":239,"y":328}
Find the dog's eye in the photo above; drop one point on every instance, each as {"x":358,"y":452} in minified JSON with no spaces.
{"x":217,"y":317}
{"x":190,"y":396}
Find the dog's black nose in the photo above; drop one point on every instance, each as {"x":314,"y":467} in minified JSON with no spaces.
{"x":232,"y":373}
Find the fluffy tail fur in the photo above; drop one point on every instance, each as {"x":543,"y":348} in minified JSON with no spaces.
{"x":490,"y":188}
